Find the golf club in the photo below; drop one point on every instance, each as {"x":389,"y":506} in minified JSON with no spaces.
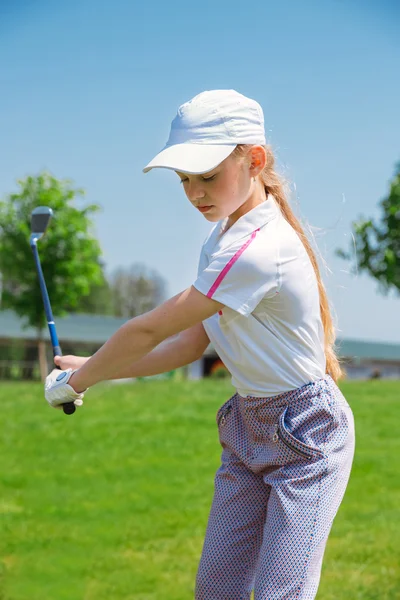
{"x":40,"y":218}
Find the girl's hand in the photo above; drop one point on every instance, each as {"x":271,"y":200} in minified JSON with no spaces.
{"x":70,"y":362}
{"x":57,"y":390}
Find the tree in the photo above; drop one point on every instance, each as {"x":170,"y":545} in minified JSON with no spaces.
{"x":136,"y":290}
{"x":70,"y":254}
{"x":377,"y":245}
{"x":99,"y":301}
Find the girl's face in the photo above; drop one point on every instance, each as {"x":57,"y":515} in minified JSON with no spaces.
{"x":221,"y":192}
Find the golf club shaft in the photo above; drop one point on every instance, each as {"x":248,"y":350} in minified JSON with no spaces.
{"x":69,"y":407}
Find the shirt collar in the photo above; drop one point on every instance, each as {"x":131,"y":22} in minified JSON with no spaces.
{"x":256,"y":218}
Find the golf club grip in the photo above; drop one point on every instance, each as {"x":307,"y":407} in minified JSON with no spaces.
{"x":69,"y":407}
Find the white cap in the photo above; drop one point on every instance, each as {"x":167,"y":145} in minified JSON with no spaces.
{"x":207,"y":129}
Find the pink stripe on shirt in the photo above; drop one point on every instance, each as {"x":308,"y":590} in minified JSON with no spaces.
{"x":229,"y":265}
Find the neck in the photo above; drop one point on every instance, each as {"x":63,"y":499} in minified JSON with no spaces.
{"x":257,"y":196}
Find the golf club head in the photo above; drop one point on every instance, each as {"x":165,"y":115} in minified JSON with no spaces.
{"x":40,"y":219}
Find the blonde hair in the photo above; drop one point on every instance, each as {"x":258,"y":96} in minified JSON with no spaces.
{"x":274,"y":185}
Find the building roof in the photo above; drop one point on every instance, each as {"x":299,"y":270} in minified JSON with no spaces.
{"x":362,"y":349}
{"x":368,"y":349}
{"x":72,"y":328}
{"x":96,"y":329}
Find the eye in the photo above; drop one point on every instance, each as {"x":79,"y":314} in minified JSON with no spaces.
{"x":203,"y":178}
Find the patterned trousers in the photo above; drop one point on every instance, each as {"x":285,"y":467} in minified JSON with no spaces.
{"x":285,"y":465}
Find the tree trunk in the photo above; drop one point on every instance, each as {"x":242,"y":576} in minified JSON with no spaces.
{"x":44,"y":369}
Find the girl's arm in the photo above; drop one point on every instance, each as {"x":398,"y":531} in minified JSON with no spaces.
{"x":141,"y":335}
{"x":171,"y":354}
{"x":177,"y":351}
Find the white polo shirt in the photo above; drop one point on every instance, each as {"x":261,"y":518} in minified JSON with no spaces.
{"x":269,"y":334}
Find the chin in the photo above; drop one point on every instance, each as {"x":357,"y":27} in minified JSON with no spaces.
{"x":212,"y":218}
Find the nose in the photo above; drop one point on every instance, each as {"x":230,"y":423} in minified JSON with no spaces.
{"x":195,"y":191}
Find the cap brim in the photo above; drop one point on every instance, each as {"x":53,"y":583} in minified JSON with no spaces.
{"x":191,"y":158}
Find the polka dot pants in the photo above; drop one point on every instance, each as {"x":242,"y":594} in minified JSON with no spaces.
{"x":284,"y":469}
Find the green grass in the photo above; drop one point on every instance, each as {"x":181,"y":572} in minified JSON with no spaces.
{"x":112,"y":502}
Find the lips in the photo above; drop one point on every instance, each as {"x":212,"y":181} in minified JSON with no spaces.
{"x":204,"y":208}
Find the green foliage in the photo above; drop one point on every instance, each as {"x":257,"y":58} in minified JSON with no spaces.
{"x":69,"y":252}
{"x":377,"y":244}
{"x":220,"y":372}
{"x":99,"y":301}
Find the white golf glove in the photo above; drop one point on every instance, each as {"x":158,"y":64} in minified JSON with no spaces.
{"x":58,"y":392}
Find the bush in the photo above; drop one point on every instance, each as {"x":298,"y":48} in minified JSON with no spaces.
{"x":218,"y":370}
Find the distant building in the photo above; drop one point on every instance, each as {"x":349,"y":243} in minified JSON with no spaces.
{"x":360,"y":359}
{"x":83,"y":334}
{"x":78,"y":334}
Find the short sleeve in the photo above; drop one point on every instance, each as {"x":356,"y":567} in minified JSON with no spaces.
{"x":241,"y":275}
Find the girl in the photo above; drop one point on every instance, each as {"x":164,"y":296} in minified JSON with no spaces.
{"x":287,"y":434}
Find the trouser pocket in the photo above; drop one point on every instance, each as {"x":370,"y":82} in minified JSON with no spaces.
{"x":282,"y":433}
{"x":292,"y":442}
{"x":224,"y":411}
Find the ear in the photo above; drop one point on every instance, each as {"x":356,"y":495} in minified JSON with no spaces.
{"x":257,"y":159}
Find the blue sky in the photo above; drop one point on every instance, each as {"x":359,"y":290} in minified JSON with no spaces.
{"x":89,"y":88}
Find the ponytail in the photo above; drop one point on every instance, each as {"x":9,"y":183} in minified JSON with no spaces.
{"x":274,"y":186}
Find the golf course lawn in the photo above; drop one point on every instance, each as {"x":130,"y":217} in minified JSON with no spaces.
{"x":112,"y":502}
